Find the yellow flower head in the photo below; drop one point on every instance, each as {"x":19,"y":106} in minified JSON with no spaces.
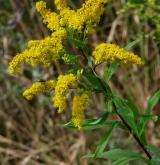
{"x":106,"y":52}
{"x":61,"y":4}
{"x":64,"y":83}
{"x":39,"y":51}
{"x":92,"y":10}
{"x":50,"y":18}
{"x":16,"y":64}
{"x":89,"y":12}
{"x":80,"y":103}
{"x":39,"y":87}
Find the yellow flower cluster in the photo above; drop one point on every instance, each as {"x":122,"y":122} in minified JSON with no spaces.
{"x":64,"y":83}
{"x":106,"y":52}
{"x":89,"y":14}
{"x":50,"y":18}
{"x":61,"y":4}
{"x":80,"y":103}
{"x":39,"y":51}
{"x":16,"y":64}
{"x":62,"y":88}
{"x":48,"y":49}
{"x":39,"y":87}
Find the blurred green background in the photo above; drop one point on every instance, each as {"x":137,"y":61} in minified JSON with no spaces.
{"x":31,"y":132}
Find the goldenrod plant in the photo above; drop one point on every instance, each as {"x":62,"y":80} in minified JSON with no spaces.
{"x":73,"y":26}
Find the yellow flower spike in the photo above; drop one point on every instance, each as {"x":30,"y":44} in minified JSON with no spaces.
{"x":16,"y":64}
{"x":70,"y":18}
{"x":89,"y":14}
{"x":38,"y":88}
{"x":80,"y":103}
{"x":64,"y":83}
{"x":92,"y":10}
{"x":106,"y":52}
{"x":39,"y":51}
{"x":61,"y":4}
{"x":50,"y":18}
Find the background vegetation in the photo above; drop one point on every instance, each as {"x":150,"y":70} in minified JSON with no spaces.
{"x":31,"y":132}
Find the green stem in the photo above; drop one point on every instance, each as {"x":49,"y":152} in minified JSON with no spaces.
{"x":135,"y":136}
{"x":127,"y":125}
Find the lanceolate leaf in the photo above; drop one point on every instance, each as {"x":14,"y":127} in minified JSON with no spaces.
{"x":96,"y":123}
{"x":120,"y":156}
{"x":133,"y":43}
{"x":132,"y":107}
{"x":93,"y":80}
{"x":154,"y":151}
{"x":151,"y":103}
{"x":104,"y":141}
{"x":155,"y":162}
{"x":126,"y":113}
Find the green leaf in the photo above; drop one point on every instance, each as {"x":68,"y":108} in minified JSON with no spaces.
{"x":123,"y":161}
{"x":126,"y":113}
{"x":76,"y":42}
{"x":89,"y":87}
{"x":80,"y":44}
{"x":110,"y":71}
{"x":71,"y":32}
{"x":83,"y":46}
{"x":151,"y":103}
{"x":119,"y":156}
{"x":73,"y":70}
{"x":109,"y":106}
{"x":104,"y":141}
{"x":90,"y":124}
{"x":155,"y":162}
{"x":133,"y":43}
{"x":107,"y":90}
{"x":137,"y":2}
{"x":102,"y":119}
{"x":71,"y":58}
{"x":93,"y":80}
{"x":116,"y":154}
{"x":132,"y":107}
{"x":154,"y":151}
